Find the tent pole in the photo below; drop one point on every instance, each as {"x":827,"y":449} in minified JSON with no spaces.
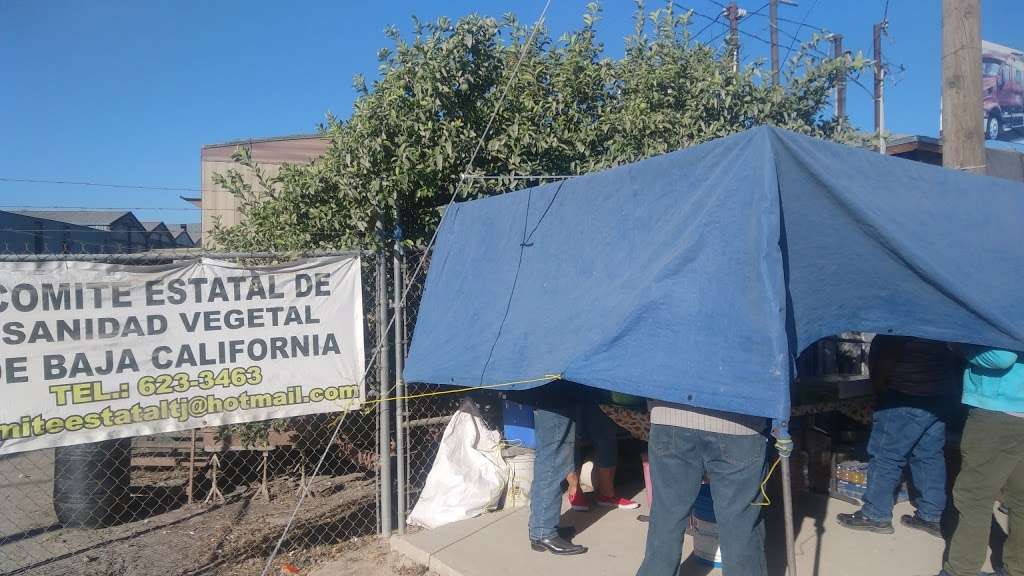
{"x":787,"y":506}
{"x":784,"y":446}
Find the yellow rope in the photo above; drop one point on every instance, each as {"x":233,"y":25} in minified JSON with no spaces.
{"x":545,"y":378}
{"x":767,"y":501}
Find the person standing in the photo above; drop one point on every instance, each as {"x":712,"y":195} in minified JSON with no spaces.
{"x":993,"y":460}
{"x":601,"y":431}
{"x":554,"y":423}
{"x":685,"y":445}
{"x":919,"y":382}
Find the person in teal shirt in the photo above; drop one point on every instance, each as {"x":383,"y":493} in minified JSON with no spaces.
{"x":992,"y":448}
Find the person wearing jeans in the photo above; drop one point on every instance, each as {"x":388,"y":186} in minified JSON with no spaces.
{"x":554,"y":423}
{"x":685,"y":445}
{"x":921,"y":379}
{"x":993,"y":460}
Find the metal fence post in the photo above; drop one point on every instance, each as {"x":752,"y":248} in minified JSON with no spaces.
{"x":384,"y":408}
{"x":399,"y":389}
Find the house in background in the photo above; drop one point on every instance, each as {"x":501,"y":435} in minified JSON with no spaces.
{"x":218,"y":204}
{"x":186,"y":235}
{"x":88,"y":232}
{"x":1008,"y":164}
{"x":158,"y":236}
{"x":29,"y":234}
{"x":111,"y":230}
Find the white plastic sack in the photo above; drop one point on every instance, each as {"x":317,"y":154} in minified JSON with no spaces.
{"x":468,"y":476}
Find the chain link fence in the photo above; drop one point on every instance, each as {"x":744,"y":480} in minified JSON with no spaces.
{"x":204,"y":501}
{"x":424,"y":416}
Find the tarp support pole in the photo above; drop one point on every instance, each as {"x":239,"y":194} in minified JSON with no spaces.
{"x":784,"y":446}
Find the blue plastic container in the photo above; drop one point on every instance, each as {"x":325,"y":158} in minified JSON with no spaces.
{"x":518,"y":424}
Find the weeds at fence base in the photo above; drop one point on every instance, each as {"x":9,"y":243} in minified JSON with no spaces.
{"x":204,"y":539}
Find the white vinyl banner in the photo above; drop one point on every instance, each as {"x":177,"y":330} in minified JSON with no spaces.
{"x":92,"y":352}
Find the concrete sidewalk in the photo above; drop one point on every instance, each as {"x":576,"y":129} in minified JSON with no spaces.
{"x":496,"y":545}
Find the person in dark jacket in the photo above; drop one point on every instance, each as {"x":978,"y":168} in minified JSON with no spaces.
{"x":920,"y":385}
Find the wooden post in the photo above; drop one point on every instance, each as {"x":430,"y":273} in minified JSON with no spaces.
{"x":773,"y":18}
{"x":837,"y":52}
{"x":192,"y":466}
{"x":878,"y":30}
{"x":963,"y":136}
{"x":733,"y":14}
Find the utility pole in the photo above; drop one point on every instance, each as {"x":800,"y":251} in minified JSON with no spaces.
{"x":773,"y":17}
{"x":880,"y":29}
{"x":963,"y":137}
{"x":733,"y":14}
{"x":837,"y":53}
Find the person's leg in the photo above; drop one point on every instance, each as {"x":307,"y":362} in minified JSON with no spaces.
{"x":578,"y":499}
{"x":1013,"y":498}
{"x":603,"y":434}
{"x":736,"y":466}
{"x":896,"y":429}
{"x":676,"y":472}
{"x":987,"y":464}
{"x":556,"y":439}
{"x":928,"y":472}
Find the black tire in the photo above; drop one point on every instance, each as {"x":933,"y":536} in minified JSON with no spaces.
{"x":993,"y":127}
{"x":91,"y":483}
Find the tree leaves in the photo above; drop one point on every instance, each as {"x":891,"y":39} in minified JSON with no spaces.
{"x":569,"y":110}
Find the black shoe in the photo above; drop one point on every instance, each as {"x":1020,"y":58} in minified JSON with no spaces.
{"x":858,"y":521}
{"x":558,"y":546}
{"x":917,"y":523}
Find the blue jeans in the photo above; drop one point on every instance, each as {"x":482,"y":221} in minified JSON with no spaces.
{"x":908,"y":429}
{"x":555,"y":431}
{"x":734,"y":464}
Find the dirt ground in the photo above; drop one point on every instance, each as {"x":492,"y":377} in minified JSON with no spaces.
{"x":227,"y":539}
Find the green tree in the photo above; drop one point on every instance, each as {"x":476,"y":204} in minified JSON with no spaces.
{"x":570,"y":109}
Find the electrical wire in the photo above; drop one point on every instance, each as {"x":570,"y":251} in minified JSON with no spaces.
{"x":793,"y":42}
{"x":29,"y":208}
{"x":99,"y":184}
{"x":415,"y":274}
{"x":709,"y":25}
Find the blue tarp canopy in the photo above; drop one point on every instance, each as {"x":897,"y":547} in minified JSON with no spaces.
{"x":698,"y":276}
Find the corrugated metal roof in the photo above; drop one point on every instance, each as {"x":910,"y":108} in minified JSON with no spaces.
{"x":93,"y":218}
{"x":194,"y":230}
{"x":151,"y":225}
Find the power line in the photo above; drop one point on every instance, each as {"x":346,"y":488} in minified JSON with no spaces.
{"x":419,"y":267}
{"x":100,"y":185}
{"x":709,"y":25}
{"x":885,"y":11}
{"x":66,"y":208}
{"x":802,"y":23}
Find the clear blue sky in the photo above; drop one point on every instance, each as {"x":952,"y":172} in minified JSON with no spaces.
{"x":122,"y":91}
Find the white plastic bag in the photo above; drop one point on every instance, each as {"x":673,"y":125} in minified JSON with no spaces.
{"x":469,"y":475}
